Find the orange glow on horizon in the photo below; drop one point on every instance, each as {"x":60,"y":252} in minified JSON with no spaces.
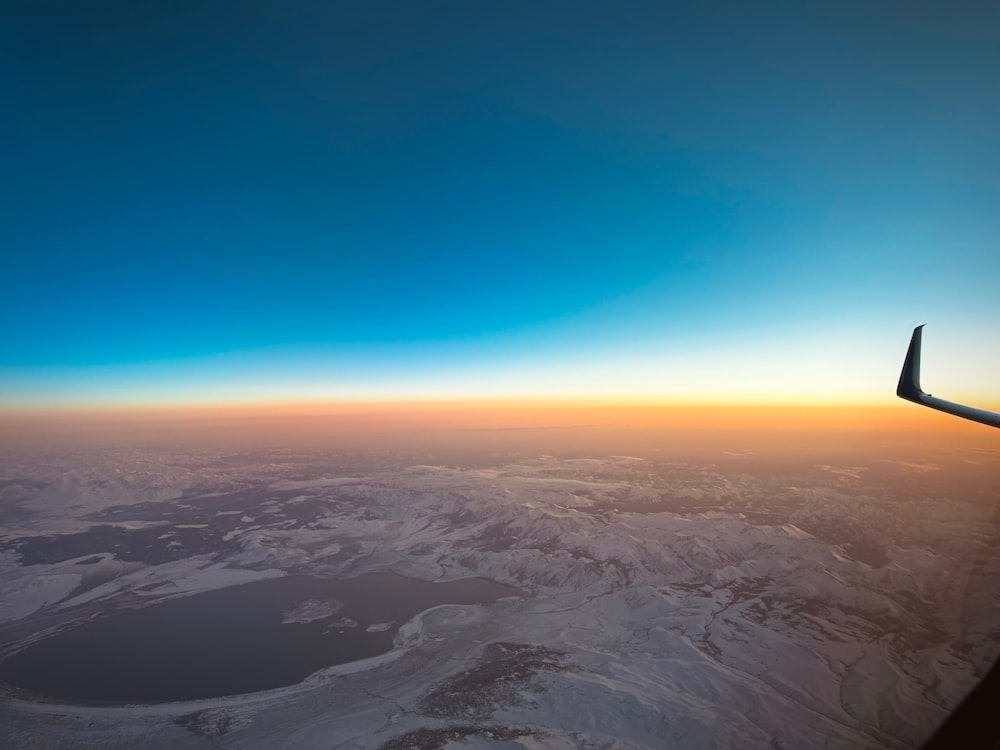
{"x":472,"y":415}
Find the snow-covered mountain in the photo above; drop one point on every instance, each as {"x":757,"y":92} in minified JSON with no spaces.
{"x":723,"y":602}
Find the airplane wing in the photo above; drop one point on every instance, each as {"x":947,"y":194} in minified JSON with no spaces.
{"x":973,"y":723}
{"x":909,"y":388}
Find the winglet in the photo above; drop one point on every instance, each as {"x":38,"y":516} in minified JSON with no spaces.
{"x":909,"y":378}
{"x":909,"y":388}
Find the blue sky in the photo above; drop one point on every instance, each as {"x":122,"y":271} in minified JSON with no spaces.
{"x":212,"y":201}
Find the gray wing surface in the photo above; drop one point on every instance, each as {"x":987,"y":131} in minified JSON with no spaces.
{"x":909,"y":388}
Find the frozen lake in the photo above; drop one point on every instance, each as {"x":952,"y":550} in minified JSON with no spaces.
{"x":240,"y":639}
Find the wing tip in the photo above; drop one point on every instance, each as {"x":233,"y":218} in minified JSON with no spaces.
{"x":909,"y":377}
{"x":909,"y":388}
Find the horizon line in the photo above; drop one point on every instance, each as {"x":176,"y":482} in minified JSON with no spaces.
{"x":635,"y":413}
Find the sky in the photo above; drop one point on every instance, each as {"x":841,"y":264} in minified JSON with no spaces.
{"x":682,"y":203}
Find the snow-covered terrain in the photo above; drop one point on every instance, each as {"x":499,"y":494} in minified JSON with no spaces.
{"x":719,"y":602}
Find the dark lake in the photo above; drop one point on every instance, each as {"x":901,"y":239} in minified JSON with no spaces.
{"x":231,"y":640}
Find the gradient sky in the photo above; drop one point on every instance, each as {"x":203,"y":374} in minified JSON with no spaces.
{"x":691,"y":202}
